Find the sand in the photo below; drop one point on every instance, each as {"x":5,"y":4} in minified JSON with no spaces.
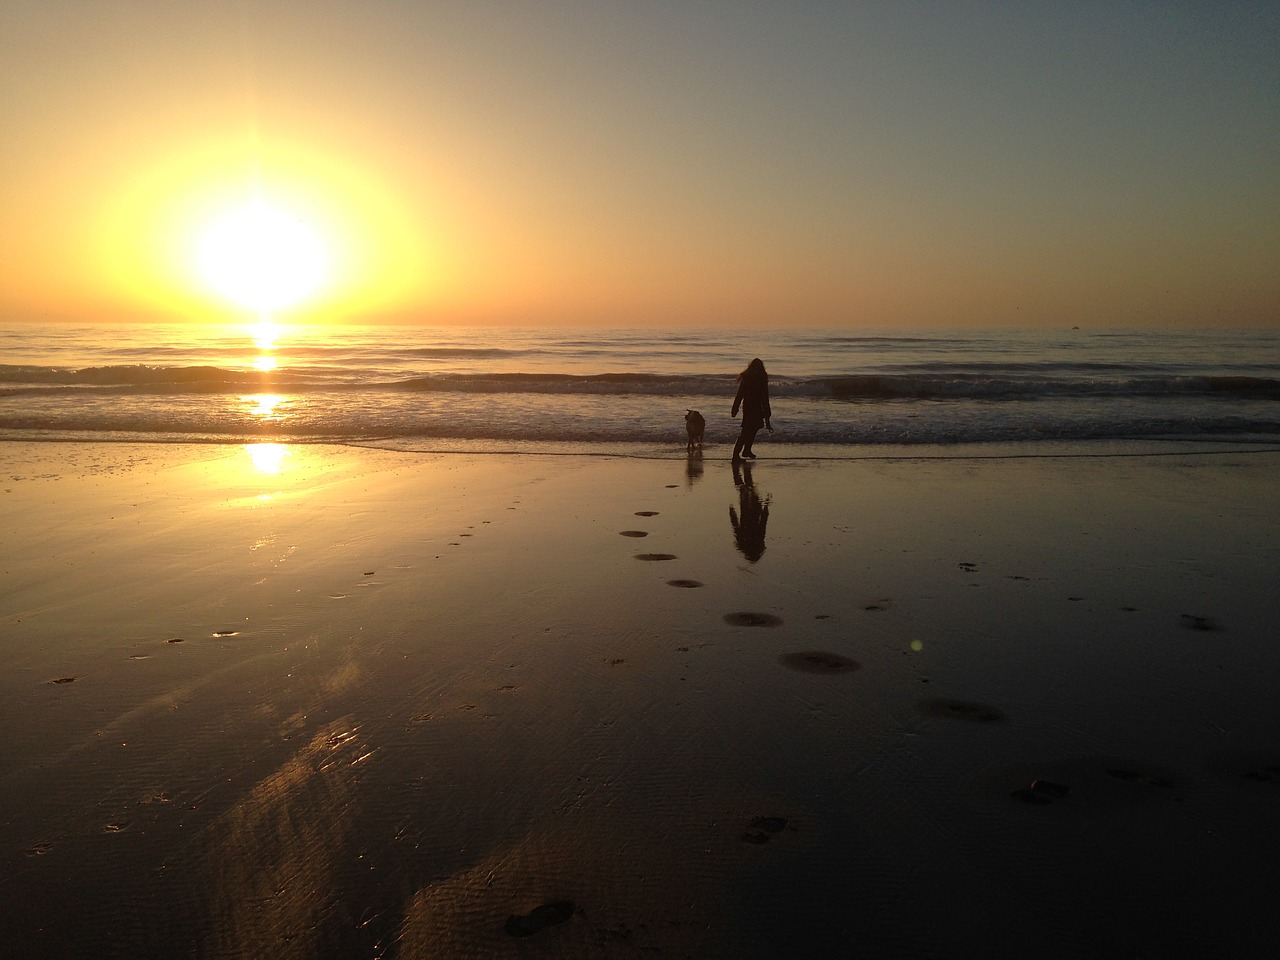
{"x":336,"y":702}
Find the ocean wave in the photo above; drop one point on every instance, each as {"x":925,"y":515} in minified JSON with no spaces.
{"x":639,"y":423}
{"x":974,"y":386}
{"x":15,"y":379}
{"x":993,"y":383}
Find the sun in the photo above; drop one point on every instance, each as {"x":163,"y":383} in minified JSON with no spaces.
{"x":262,"y":256}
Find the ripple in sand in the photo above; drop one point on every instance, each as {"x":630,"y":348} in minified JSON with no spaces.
{"x":635,"y":533}
{"x":1041,"y":792}
{"x":646,"y":513}
{"x":655,"y":556}
{"x":539,"y":918}
{"x":748,"y":619}
{"x":687,"y":584}
{"x":1137,"y":777}
{"x":1088,"y":785}
{"x":1255,"y":768}
{"x":818,"y":661}
{"x":962,"y":710}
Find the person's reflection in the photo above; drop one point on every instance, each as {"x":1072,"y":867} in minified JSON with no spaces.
{"x":693,"y":470}
{"x":751,"y":517}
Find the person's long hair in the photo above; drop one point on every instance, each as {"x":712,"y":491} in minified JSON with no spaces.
{"x":755,"y":372}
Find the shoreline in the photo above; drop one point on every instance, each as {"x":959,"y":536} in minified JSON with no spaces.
{"x":416,"y":703}
{"x":713,"y":451}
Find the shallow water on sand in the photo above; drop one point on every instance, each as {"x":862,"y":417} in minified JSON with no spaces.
{"x":438,"y":707}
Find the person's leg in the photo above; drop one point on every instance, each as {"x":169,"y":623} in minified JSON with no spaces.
{"x":737,"y":447}
{"x":748,"y":437}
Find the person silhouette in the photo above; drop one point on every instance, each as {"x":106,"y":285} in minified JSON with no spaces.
{"x":753,"y":398}
{"x":751,"y":517}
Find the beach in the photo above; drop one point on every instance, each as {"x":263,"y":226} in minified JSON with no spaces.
{"x":322,"y":700}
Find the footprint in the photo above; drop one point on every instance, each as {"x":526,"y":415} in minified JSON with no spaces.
{"x":64,"y":680}
{"x":747,"y":619}
{"x":539,"y":918}
{"x":646,"y":513}
{"x":687,"y":584}
{"x":655,"y":556}
{"x":1193,"y":622}
{"x":635,"y":533}
{"x":962,"y":710}
{"x":761,"y":829}
{"x":818,"y":661}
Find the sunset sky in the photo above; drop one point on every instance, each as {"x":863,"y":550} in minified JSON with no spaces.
{"x":890,"y":164}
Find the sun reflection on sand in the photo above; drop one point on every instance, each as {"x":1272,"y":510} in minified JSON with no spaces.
{"x":267,"y":458}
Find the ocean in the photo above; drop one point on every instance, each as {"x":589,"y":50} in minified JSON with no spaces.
{"x":834,"y":392}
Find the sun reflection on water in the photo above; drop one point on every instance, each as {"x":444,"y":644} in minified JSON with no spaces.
{"x":263,"y":405}
{"x":265,"y":334}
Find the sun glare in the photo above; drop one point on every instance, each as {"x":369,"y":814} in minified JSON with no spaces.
{"x":262,"y":257}
{"x":267,"y":457}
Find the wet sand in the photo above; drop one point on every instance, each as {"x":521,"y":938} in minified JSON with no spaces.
{"x":412,"y":706}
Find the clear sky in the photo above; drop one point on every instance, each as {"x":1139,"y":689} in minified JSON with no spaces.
{"x":761,"y":162}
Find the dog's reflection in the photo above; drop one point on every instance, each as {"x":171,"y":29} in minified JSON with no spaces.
{"x":751,"y":516}
{"x":693,"y":469}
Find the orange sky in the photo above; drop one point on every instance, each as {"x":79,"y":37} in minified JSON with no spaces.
{"x":836,"y":164}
